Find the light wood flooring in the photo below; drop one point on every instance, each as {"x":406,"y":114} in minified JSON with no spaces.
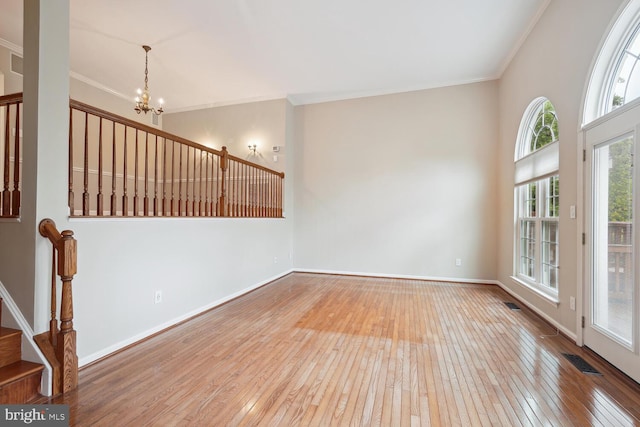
{"x":323,"y":350}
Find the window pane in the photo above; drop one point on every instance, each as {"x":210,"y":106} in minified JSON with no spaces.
{"x":613,"y":248}
{"x":550,"y":254}
{"x":529,"y":193}
{"x":553,"y":197}
{"x":527,"y":248}
{"x":545,"y":127}
{"x":626,"y":85}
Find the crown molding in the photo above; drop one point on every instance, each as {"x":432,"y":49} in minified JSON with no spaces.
{"x":99,"y":86}
{"x":11,"y":46}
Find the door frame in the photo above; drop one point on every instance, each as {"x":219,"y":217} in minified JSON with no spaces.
{"x":629,"y":112}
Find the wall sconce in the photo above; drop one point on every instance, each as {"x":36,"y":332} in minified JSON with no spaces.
{"x":252,"y":148}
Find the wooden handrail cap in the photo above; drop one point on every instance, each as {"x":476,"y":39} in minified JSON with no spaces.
{"x":42,"y":227}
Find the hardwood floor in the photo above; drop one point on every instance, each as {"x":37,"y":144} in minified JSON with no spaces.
{"x":321,"y":350}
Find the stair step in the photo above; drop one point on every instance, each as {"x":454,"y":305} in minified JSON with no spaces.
{"x":20,"y":382}
{"x":10,"y":346}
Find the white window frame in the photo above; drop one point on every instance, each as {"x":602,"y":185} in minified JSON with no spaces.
{"x":535,"y":281}
{"x":534,"y":167}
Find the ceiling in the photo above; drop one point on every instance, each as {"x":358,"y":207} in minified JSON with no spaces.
{"x":218,"y":52}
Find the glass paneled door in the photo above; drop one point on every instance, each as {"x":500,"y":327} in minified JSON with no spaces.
{"x":611,"y":315}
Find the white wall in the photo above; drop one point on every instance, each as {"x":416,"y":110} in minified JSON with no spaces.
{"x":399,"y":184}
{"x":554,"y":62}
{"x":236,"y":127}
{"x":196,"y":263}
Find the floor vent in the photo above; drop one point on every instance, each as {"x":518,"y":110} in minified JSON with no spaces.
{"x":512,"y":306}
{"x":581,"y":364}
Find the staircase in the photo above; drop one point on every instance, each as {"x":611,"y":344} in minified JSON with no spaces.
{"x":19,"y":379}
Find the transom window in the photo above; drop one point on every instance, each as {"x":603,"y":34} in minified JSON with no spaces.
{"x":537,"y":196}
{"x":615,"y":78}
{"x":625,"y":81}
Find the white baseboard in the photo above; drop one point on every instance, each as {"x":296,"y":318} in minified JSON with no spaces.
{"x":539,"y":312}
{"x":32,"y":351}
{"x":138,"y":337}
{"x":398,"y":276}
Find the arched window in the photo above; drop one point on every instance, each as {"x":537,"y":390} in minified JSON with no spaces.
{"x":615,"y":79}
{"x":537,"y":198}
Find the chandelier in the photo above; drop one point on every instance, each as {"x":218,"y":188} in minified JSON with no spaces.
{"x":143,"y":98}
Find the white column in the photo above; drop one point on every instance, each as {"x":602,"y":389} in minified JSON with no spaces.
{"x":46,"y":129}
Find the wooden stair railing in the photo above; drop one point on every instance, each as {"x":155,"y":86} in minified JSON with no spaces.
{"x":120,"y":167}
{"x":59,"y":344}
{"x":10,"y":170}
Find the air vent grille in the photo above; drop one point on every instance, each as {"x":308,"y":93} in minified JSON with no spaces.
{"x":17,"y":64}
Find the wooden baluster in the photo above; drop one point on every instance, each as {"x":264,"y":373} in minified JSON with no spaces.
{"x":242,"y":189}
{"x":247,"y":185}
{"x":70,"y":192}
{"x":173,"y":181}
{"x":136,"y":160}
{"x":261,"y":192}
{"x":188,"y":202}
{"x":261,"y":212}
{"x":223,"y":169}
{"x":113,"y":171}
{"x":280,"y":198}
{"x":232,"y":189}
{"x":236,"y":189}
{"x":85,"y":172}
{"x":15,"y":197}
{"x":200,"y":213}
{"x":53,"y":323}
{"x":155,"y":182}
{"x":254,"y":210}
{"x":269,"y":195}
{"x":274,"y":189}
{"x":256,"y":186}
{"x":215,"y":160}
{"x":180,"y":183}
{"x":6,"y":194}
{"x":207,"y":212}
{"x":145,"y":201}
{"x":125,"y":176}
{"x":164,"y":177}
{"x":100,"y":201}
{"x":263,"y":195}
{"x":193,"y":208}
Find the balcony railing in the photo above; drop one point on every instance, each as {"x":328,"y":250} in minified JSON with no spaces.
{"x":620,"y":260}
{"x":123,"y":168}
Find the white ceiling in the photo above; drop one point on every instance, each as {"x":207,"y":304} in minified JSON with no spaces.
{"x":216,"y":52}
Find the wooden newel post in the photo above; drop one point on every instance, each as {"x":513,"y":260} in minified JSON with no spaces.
{"x":222,"y":205}
{"x":66,"y":345}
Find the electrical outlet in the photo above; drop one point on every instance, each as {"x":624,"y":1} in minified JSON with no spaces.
{"x":458,"y":262}
{"x":157,"y":297}
{"x":572,"y":303}
{"x":275,"y":259}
